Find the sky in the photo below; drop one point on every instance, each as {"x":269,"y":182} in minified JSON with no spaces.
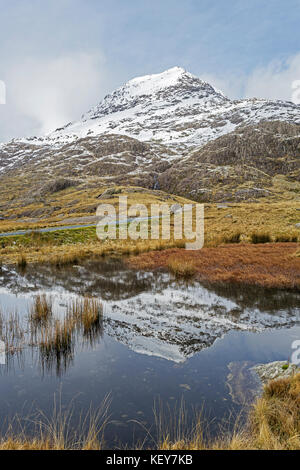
{"x":58,"y":58}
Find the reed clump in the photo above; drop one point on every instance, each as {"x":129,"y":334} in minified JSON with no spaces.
{"x":57,"y":339}
{"x":65,"y":259}
{"x":12,"y":332}
{"x":41,"y":310}
{"x":87,"y":313}
{"x":286,"y":239}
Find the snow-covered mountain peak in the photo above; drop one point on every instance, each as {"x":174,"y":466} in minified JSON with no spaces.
{"x":149,"y":84}
{"x":174,"y":108}
{"x":165,"y":88}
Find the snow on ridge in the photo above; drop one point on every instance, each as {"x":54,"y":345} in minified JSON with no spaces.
{"x":174,"y":107}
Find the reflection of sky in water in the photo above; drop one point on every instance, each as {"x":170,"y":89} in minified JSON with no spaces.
{"x":162,"y":339}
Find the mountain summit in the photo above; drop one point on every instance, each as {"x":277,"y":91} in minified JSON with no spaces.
{"x":175,"y":108}
{"x":167,"y":88}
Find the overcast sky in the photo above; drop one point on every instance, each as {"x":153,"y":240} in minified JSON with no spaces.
{"x":58,"y":58}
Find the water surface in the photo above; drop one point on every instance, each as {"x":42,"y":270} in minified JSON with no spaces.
{"x":160,"y":340}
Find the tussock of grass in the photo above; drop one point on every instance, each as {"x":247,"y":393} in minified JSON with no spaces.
{"x":273,"y":424}
{"x":260,"y":238}
{"x":58,"y":339}
{"x":233,"y":238}
{"x":22,"y":261}
{"x":181,"y":267}
{"x":67,"y":258}
{"x":42,"y":309}
{"x":57,"y":431}
{"x":286,"y":239}
{"x":275,"y":419}
{"x":87,"y":313}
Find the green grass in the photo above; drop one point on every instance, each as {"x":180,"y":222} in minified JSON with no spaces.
{"x":59,"y":237}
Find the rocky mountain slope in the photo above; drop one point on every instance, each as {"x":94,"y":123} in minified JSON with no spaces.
{"x":241,"y":165}
{"x":170,"y":131}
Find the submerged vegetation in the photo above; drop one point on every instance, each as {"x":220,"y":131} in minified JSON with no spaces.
{"x":22,"y":261}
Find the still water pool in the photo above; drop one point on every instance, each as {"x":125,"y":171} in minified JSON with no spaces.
{"x":161,"y":341}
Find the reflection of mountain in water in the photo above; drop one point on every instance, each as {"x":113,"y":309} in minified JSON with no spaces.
{"x":156,"y":315}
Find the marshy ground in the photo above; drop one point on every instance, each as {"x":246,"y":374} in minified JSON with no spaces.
{"x":273,"y":265}
{"x":254,"y":243}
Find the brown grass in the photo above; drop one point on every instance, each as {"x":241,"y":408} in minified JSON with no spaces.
{"x":42,"y":309}
{"x":12,"y":332}
{"x":267,"y":265}
{"x":265,"y":221}
{"x":57,"y":432}
{"x":87,"y":313}
{"x":57,"y":339}
{"x":22,"y":261}
{"x":181,"y":268}
{"x":273,"y":424}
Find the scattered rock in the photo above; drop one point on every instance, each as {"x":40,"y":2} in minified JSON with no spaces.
{"x":274,"y":370}
{"x":109,"y":193}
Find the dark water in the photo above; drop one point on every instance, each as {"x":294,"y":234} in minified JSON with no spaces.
{"x":161,"y":340}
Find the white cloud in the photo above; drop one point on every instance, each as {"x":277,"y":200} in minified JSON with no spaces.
{"x":53,"y":92}
{"x":275,"y":81}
